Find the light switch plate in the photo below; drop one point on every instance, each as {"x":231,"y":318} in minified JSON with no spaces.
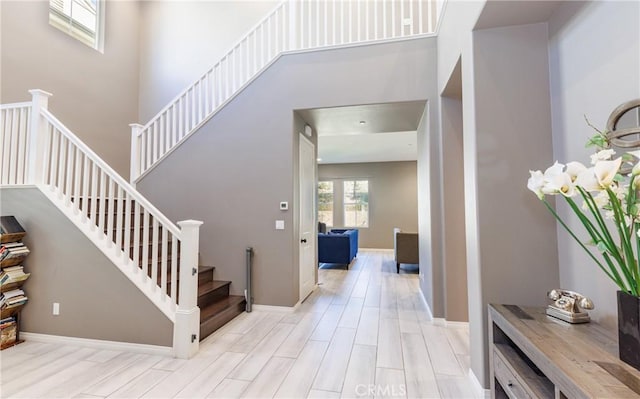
{"x":279,"y":224}
{"x":284,"y":205}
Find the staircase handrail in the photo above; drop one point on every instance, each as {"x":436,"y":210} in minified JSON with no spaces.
{"x":358,"y":22}
{"x":202,"y":76}
{"x":158,"y":257}
{"x":25,"y":104}
{"x":135,"y":194}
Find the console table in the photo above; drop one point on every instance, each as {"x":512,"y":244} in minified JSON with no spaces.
{"x":536,"y":356}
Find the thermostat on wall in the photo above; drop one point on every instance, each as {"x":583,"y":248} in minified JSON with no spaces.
{"x":284,"y":205}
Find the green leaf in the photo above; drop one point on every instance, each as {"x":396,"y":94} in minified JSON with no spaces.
{"x":597,"y":140}
{"x":602,"y":247}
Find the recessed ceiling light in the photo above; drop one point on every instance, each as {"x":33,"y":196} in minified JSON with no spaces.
{"x":363,"y":122}
{"x":319,"y":159}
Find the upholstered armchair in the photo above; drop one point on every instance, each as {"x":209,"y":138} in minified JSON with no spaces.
{"x":405,"y":247}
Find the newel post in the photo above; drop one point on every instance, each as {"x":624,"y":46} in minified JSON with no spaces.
{"x":37,"y":136}
{"x":134,"y":170}
{"x":186,"y":331}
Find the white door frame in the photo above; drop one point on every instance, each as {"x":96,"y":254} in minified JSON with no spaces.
{"x":304,"y":260}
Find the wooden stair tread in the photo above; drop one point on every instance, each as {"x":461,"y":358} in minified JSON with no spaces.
{"x":209,"y":286}
{"x":219,"y":306}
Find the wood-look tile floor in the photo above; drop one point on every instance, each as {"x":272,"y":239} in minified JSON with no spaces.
{"x":362,"y":333}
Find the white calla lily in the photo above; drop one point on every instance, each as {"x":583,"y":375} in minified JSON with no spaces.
{"x":606,"y":171}
{"x":555,"y":169}
{"x":608,"y":191}
{"x":587,"y":180}
{"x":561,"y":184}
{"x":574,"y":169}
{"x":536,"y":182}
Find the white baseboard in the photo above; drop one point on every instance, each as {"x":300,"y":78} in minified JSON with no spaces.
{"x":98,"y":344}
{"x":439,"y":321}
{"x":477,"y":387}
{"x":278,"y":309}
{"x":376,"y":249}
{"x":456,"y":323}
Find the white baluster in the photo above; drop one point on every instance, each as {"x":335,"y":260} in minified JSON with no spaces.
{"x":402,"y":18}
{"x":420,"y":18}
{"x":134,"y":167}
{"x":154,"y":254}
{"x":22,"y":146}
{"x":110,"y":207}
{"x":384,"y":19}
{"x":293,"y":30}
{"x":187,"y":323}
{"x":119,"y":219}
{"x":393,"y":18}
{"x":39,"y":101}
{"x":163,"y":265}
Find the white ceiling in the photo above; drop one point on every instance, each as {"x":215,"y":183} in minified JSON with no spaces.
{"x":387,"y":134}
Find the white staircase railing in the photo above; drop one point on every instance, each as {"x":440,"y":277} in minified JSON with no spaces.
{"x":292,"y":26}
{"x":38,"y":149}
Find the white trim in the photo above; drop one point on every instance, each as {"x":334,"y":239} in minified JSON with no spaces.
{"x":99,"y":344}
{"x":426,"y":305}
{"x":278,"y":309}
{"x":477,"y":387}
{"x":376,"y":249}
{"x":439,"y":321}
{"x":3,"y":186}
{"x":455,"y":324}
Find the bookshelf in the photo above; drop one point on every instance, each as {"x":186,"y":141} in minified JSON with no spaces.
{"x":13,"y":252}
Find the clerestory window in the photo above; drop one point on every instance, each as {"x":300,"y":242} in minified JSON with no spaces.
{"x":82,"y":19}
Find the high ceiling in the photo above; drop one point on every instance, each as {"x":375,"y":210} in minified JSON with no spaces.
{"x":366,"y":133}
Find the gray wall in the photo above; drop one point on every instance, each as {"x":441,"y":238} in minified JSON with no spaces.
{"x":393,"y":198}
{"x":181,"y":40}
{"x":515,"y":256}
{"x":96,"y":300}
{"x":589,"y":80}
{"x":94,"y":94}
{"x":234,"y":171}
{"x":455,"y":252}
{"x":429,"y":211}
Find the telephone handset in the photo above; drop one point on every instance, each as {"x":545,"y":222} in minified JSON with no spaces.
{"x":569,"y":306}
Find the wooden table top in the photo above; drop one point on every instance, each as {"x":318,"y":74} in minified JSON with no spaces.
{"x":580,"y":359}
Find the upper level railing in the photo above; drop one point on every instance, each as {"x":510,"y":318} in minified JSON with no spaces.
{"x":155,"y":254}
{"x":293,"y":25}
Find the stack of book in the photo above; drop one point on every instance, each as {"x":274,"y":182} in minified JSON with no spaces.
{"x":12,"y":299}
{"x":13,"y":250}
{"x":10,"y":229}
{"x":12,"y":275}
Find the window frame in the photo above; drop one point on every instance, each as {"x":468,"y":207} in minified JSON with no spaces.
{"x":333,"y":201}
{"x":344,"y":202}
{"x":73,"y":27}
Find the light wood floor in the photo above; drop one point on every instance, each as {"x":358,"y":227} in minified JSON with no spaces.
{"x":362,"y":333}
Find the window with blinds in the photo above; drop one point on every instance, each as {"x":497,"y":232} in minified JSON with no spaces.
{"x":82,"y":19}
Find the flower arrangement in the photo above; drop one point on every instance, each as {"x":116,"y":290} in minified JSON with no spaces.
{"x":610,"y":209}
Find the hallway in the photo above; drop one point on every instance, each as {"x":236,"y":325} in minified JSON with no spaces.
{"x":362,"y":333}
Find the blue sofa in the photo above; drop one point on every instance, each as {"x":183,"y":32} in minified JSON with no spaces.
{"x":338,"y":246}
